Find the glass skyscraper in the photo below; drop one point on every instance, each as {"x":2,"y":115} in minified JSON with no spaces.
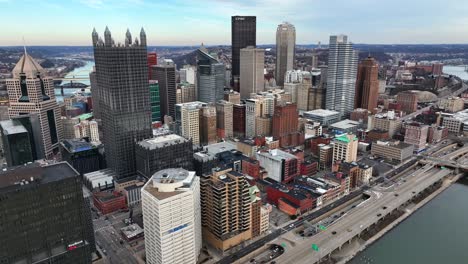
{"x":243,"y":34}
{"x":124,"y":98}
{"x":210,"y":77}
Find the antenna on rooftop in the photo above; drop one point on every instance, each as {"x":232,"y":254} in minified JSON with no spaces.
{"x":24,"y":46}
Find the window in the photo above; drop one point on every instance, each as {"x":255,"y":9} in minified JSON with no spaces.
{"x":52,"y":127}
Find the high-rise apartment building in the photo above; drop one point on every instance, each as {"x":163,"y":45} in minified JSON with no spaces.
{"x":30,"y":91}
{"x":285,"y":50}
{"x":225,"y":207}
{"x":341,"y":79}
{"x":252,"y":64}
{"x":172,"y":217}
{"x":210,"y":77}
{"x":165,"y":74}
{"x":243,"y":34}
{"x":45,"y":217}
{"x":367,"y":84}
{"x":122,"y":76}
{"x":163,"y":152}
{"x":345,"y":148}
{"x":155,"y":101}
{"x":224,"y":116}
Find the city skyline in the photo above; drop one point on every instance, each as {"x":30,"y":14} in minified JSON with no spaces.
{"x":174,"y":23}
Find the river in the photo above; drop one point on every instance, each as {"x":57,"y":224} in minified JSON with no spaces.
{"x":456,"y":70}
{"x":436,"y":233}
{"x":78,"y":72}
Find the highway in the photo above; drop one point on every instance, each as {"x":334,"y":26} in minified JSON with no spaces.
{"x":362,"y":217}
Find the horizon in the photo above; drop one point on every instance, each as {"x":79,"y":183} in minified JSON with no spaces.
{"x":189,"y":22}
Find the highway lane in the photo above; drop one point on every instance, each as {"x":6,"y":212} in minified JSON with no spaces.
{"x":359,"y":219}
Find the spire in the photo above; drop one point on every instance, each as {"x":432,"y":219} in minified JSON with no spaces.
{"x":24,"y":45}
{"x":107,"y":37}
{"x":128,"y":36}
{"x":143,"y":37}
{"x":95,"y":37}
{"x":136,"y":42}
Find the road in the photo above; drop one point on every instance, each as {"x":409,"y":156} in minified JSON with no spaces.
{"x":362,"y":217}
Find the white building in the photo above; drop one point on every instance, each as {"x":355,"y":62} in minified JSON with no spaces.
{"x":171,"y":217}
{"x":188,"y":74}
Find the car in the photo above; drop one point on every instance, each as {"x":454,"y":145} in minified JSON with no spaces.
{"x":291,"y":225}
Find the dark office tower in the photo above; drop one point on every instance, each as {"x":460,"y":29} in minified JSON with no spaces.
{"x":45,"y":218}
{"x":94,"y":94}
{"x":238,"y":120}
{"x":30,"y":91}
{"x":163,"y":152}
{"x":122,"y":77}
{"x":165,"y":74}
{"x":83,"y":156}
{"x":243,"y":34}
{"x":32,"y":124}
{"x":16,"y":143}
{"x":210,"y":77}
{"x":155,"y":100}
{"x":367,"y":84}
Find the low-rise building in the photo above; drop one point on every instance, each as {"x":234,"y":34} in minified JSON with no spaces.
{"x":452,"y":104}
{"x":280,"y":165}
{"x":324,"y":117}
{"x":392,"y":150}
{"x":416,"y":134}
{"x":345,"y":126}
{"x":108,"y":202}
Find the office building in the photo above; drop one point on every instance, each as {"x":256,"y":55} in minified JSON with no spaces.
{"x":408,"y":101}
{"x":243,"y":34}
{"x":285,"y":50}
{"x":253,"y":109}
{"x":367,"y":84}
{"x":324,"y":117}
{"x":345,"y":148}
{"x":285,"y":123}
{"x":186,"y":92}
{"x":30,"y":91}
{"x":188,"y":74}
{"x":224,"y":119}
{"x":281,"y":166}
{"x":190,"y":121}
{"x":172,"y":217}
{"x":239,"y":120}
{"x":152,"y":61}
{"x":252,"y":64}
{"x":155,"y":101}
{"x":344,"y":127}
{"x":69,"y":124}
{"x":16,"y":143}
{"x":45,"y":217}
{"x":341,"y":75}
{"x":83,"y":156}
{"x":94,"y":94}
{"x":385,"y":122}
{"x":452,"y":104}
{"x":208,"y":120}
{"x":232,"y":97}
{"x":210,"y":77}
{"x":122,"y":75}
{"x":165,"y":74}
{"x":392,"y":150}
{"x":325,"y":156}
{"x":436,"y":134}
{"x":416,"y":134}
{"x":225,"y":209}
{"x":32,"y":124}
{"x":163,"y":152}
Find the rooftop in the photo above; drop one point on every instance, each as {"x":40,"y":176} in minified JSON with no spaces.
{"x":169,"y":182}
{"x":12,"y":126}
{"x":346,"y":138}
{"x":277,"y":154}
{"x":345,"y":124}
{"x":162,"y":141}
{"x":76,"y":145}
{"x":394,"y":143}
{"x":321,"y":112}
{"x":34,"y":173}
{"x":28,"y":66}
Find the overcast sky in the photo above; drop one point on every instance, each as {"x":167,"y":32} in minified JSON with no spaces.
{"x":191,"y":22}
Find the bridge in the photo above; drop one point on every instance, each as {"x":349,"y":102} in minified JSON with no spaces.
{"x":363,"y":217}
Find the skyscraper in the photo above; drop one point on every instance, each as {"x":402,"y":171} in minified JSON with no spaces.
{"x":171,"y":215}
{"x":45,"y":218}
{"x":367,"y":84}
{"x":285,"y":50}
{"x":122,"y":77}
{"x":155,"y":100}
{"x":165,"y":74}
{"x":30,"y":91}
{"x":16,"y":143}
{"x":210,"y":77}
{"x":243,"y":34}
{"x":252,"y":64}
{"x":341,"y":79}
{"x":285,"y":123}
{"x":224,"y":122}
{"x":94,"y":94}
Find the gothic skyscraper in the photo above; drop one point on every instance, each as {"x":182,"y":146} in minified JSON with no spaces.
{"x":285,"y":50}
{"x":122,"y":78}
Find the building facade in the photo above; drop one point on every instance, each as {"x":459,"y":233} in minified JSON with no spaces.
{"x":165,"y":74}
{"x":285,"y":50}
{"x":341,"y":76}
{"x":252,"y":65}
{"x":210,"y":77}
{"x":30,"y":91}
{"x":122,"y":76}
{"x":345,"y":148}
{"x":171,"y":216}
{"x":243,"y":34}
{"x":224,"y":116}
{"x":155,"y":100}
{"x":367,"y":84}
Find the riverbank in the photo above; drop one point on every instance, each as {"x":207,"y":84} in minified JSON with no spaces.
{"x":408,"y":211}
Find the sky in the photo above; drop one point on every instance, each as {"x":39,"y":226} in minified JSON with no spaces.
{"x":192,"y":22}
